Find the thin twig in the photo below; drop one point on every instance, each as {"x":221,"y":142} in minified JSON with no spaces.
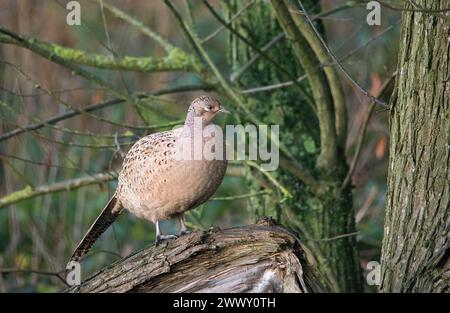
{"x":256,"y":57}
{"x":338,"y":63}
{"x":373,"y":193}
{"x":284,"y":71}
{"x":362,"y":132}
{"x":438,"y":12}
{"x":403,"y":9}
{"x":303,"y":77}
{"x":280,"y":37}
{"x":243,"y":196}
{"x":58,"y":91}
{"x":101,"y":105}
{"x":302,"y":175}
{"x":71,"y":184}
{"x":368,"y":42}
{"x":30,"y":271}
{"x":163,"y":42}
{"x":286,"y":193}
{"x":9,"y":156}
{"x":238,"y":13}
{"x":338,"y":237}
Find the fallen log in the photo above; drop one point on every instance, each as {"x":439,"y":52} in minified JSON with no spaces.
{"x":263,"y":257}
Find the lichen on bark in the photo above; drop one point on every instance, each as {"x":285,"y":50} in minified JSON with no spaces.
{"x":415,"y":252}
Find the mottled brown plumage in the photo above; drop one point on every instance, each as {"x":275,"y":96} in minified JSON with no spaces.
{"x":156,"y":185}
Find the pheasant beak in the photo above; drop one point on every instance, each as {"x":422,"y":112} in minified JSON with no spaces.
{"x":223,"y":110}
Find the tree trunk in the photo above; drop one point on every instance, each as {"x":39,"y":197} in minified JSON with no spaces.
{"x":324,"y":219}
{"x":258,"y":258}
{"x":415,"y":253}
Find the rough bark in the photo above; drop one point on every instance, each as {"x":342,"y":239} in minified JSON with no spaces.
{"x":415,"y":253}
{"x":258,"y":258}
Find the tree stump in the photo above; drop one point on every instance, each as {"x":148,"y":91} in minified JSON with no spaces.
{"x":263,"y":257}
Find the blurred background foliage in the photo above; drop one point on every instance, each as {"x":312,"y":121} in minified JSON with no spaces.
{"x":40,"y":233}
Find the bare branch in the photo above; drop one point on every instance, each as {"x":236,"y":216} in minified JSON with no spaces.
{"x":338,"y":63}
{"x":362,"y":133}
{"x":417,"y":9}
{"x":235,"y":16}
{"x":281,"y":36}
{"x":319,"y":86}
{"x":31,"y":192}
{"x":101,"y":105}
{"x":176,"y":59}
{"x":302,"y":174}
{"x":257,"y":56}
{"x":286,"y":193}
{"x":339,"y":236}
{"x":163,"y":42}
{"x":301,"y":78}
{"x":334,"y":82}
{"x":242,"y":196}
{"x":72,"y":184}
{"x":285,"y":72}
{"x":58,"y":275}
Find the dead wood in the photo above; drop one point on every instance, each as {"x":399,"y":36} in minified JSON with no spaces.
{"x":263,"y":257}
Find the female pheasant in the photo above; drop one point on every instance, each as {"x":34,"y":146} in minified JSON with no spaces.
{"x":156,"y":185}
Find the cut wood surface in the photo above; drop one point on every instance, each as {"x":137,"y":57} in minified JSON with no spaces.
{"x":263,"y":257}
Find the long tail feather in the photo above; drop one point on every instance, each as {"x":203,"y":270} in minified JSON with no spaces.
{"x":106,"y":218}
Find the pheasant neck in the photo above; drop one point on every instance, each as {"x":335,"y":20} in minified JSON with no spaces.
{"x":191,"y":124}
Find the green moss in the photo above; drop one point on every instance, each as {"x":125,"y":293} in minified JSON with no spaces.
{"x":18,"y":195}
{"x":314,"y":204}
{"x":67,"y":53}
{"x":309,"y":144}
{"x":128,"y":133}
{"x":175,"y":60}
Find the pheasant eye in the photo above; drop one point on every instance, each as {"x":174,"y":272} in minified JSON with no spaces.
{"x":208,"y":108}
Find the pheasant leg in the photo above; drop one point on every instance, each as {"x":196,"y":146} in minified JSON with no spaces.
{"x":181,"y":223}
{"x":160,"y":237}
